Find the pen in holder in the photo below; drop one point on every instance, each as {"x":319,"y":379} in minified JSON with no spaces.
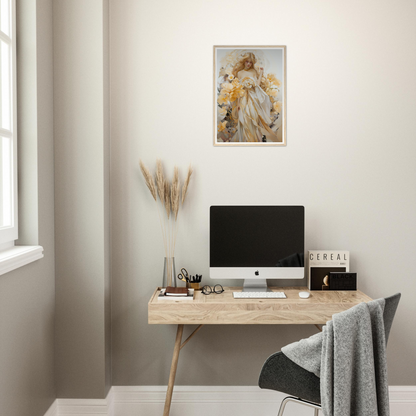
{"x":192,"y":282}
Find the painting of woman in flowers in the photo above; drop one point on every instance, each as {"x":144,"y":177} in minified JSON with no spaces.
{"x":249,"y":96}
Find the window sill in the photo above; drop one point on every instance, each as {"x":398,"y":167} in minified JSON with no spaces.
{"x":18,"y":256}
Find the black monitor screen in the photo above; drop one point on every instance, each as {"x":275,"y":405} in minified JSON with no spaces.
{"x":257,"y":236}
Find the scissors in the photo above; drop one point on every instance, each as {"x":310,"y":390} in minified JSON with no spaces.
{"x":183,"y":275}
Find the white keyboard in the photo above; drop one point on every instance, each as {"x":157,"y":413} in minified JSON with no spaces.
{"x":259,"y":295}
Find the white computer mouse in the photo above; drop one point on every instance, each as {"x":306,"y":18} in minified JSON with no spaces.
{"x":304,"y":295}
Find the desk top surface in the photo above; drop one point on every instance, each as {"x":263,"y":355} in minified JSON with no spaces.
{"x":218,"y":309}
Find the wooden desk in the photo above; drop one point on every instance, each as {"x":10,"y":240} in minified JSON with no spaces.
{"x":223,"y":309}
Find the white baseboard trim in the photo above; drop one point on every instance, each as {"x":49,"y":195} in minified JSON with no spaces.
{"x":83,"y":407}
{"x":205,"y":401}
{"x":402,"y":400}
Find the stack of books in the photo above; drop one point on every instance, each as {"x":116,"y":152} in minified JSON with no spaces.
{"x":176,"y":293}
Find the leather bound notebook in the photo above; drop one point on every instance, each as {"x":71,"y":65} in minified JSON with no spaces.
{"x":176,"y":291}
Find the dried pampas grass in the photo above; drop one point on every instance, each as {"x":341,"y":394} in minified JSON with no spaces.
{"x":148,"y":179}
{"x":167,"y":197}
{"x":174,"y":193}
{"x":160,"y":180}
{"x":170,"y":198}
{"x":186,"y":183}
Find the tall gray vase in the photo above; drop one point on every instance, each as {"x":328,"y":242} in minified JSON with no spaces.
{"x":169,"y":272}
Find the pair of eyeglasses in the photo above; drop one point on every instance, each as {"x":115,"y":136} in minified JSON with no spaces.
{"x":207,"y":290}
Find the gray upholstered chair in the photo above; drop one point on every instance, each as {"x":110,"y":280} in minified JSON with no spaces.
{"x":281,"y":374}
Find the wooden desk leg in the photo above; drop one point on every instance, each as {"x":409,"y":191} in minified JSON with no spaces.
{"x":173,"y":368}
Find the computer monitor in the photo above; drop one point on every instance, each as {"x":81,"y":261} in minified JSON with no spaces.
{"x":256,"y":243}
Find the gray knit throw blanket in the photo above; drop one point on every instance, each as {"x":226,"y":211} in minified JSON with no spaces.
{"x":349,"y":356}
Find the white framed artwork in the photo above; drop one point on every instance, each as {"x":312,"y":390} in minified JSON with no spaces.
{"x":249,"y":95}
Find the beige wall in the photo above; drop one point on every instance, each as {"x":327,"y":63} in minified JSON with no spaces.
{"x":82,"y":198}
{"x":349,"y":160}
{"x":27,"y":295}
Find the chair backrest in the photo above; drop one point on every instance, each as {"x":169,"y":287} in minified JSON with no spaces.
{"x":389,"y":312}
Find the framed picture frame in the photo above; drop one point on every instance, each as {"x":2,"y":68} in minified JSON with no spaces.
{"x":250,"y":95}
{"x":323,"y":262}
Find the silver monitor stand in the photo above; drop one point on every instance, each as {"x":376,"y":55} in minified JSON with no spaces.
{"x":255,"y":285}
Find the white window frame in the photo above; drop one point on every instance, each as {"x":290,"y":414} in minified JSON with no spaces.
{"x":9,"y":232}
{"x":11,"y":256}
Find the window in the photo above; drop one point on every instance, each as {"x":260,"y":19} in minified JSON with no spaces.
{"x":11,"y":255}
{"x":8,"y":146}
